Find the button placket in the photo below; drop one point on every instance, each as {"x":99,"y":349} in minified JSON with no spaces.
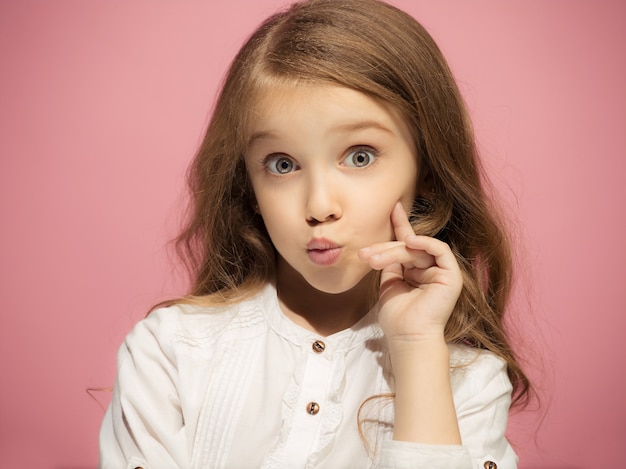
{"x":306,"y":414}
{"x":318,"y":346}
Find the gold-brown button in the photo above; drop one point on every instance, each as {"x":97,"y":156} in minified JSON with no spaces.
{"x":318,"y":346}
{"x":490,"y":465}
{"x":312,"y":408}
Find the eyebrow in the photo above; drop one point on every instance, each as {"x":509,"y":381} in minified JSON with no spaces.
{"x":263,"y":134}
{"x":343,"y":128}
{"x":362,"y":125}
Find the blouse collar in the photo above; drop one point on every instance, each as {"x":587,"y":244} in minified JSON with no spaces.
{"x":365,"y":329}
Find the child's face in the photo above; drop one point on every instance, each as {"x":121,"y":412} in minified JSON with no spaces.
{"x":327,"y":165}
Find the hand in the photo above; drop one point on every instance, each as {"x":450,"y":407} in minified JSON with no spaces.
{"x":420,"y":282}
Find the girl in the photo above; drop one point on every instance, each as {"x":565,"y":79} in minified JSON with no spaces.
{"x":349,"y":275}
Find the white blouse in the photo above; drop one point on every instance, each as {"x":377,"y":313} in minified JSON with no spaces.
{"x":242,"y":386}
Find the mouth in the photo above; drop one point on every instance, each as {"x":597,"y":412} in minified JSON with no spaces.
{"x":322,"y":251}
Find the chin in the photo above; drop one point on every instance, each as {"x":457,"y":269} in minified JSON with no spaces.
{"x":337,"y":285}
{"x":332,"y":289}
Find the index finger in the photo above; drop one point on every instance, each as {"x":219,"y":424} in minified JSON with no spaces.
{"x":400,"y":222}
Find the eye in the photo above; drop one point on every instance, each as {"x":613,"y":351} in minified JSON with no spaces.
{"x":280,"y":164}
{"x":360,"y":157}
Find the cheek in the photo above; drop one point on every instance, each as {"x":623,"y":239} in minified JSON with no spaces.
{"x":280,"y":221}
{"x":377,"y":211}
{"x":275,"y":225}
{"x":376,"y":218}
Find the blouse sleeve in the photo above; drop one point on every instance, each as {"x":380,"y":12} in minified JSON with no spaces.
{"x":482,"y":395}
{"x":143,"y":426}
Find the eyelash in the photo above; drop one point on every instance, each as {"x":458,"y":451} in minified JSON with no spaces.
{"x":372,"y":153}
{"x":271,"y":161}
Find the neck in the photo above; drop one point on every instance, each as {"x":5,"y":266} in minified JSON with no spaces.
{"x":320,"y":312}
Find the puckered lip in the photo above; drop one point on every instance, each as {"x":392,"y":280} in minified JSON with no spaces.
{"x":321,"y":244}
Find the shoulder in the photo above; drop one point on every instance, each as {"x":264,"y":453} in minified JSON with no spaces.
{"x":185,"y":326}
{"x":478,"y":376}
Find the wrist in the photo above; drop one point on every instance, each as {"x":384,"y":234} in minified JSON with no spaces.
{"x":417,"y":343}
{"x":412,"y":357}
{"x":424,"y":406}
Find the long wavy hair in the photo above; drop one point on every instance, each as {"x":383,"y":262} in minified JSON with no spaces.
{"x":376,"y":49}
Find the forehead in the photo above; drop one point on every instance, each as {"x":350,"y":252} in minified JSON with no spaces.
{"x":282,"y":96}
{"x":277,"y":107}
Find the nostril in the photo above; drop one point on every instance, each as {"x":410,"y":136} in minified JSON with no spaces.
{"x":317,"y":220}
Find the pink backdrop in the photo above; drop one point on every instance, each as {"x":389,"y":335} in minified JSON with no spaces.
{"x":103,"y":103}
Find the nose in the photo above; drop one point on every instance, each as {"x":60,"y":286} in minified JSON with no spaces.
{"x":323,"y":202}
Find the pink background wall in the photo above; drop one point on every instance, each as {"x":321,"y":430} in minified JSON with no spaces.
{"x":103,"y":103}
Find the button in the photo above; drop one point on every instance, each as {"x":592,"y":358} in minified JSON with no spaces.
{"x":312,"y":408}
{"x":318,"y":346}
{"x":490,"y":465}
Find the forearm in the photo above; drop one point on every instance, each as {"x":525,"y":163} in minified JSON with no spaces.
{"x":424,"y":407}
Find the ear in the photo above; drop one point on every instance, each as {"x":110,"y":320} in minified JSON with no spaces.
{"x":248,"y":194}
{"x":425,"y":184}
{"x":254,"y":204}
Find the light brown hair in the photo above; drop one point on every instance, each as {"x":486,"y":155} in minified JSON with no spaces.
{"x":374,"y":48}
